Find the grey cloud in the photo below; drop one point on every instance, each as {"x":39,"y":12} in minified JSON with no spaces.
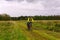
{"x":47,"y":3}
{"x":29,"y":1}
{"x":32,"y":1}
{"x":15,"y":0}
{"x":19,"y":0}
{"x":51,"y":3}
{"x":9,"y":0}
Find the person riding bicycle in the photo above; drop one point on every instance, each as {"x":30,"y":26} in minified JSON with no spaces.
{"x":29,"y":23}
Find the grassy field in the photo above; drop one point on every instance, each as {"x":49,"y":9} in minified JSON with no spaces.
{"x":41,"y":30}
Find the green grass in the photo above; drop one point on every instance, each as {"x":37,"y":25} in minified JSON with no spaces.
{"x":17,"y":30}
{"x":9,"y":32}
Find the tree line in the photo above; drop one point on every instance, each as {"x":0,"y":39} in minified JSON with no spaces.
{"x":8,"y":17}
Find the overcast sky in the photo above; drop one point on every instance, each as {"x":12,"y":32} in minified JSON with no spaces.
{"x":30,"y":7}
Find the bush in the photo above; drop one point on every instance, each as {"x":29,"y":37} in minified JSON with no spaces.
{"x":57,"y":27}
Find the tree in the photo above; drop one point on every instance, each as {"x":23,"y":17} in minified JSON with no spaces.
{"x":4,"y":17}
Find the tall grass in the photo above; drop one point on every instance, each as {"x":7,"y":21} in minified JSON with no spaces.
{"x":47,"y":25}
{"x":7,"y":32}
{"x":16,"y":30}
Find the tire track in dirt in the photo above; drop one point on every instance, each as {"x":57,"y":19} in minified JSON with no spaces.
{"x":24,"y":31}
{"x":33,"y":35}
